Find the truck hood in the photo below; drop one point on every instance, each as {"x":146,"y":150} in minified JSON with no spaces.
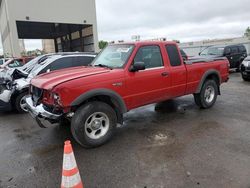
{"x":50,"y":80}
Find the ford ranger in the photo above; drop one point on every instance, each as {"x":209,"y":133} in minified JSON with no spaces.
{"x":121,"y":78}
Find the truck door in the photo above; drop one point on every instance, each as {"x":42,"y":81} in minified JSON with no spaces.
{"x":235,"y":57}
{"x":149,"y":85}
{"x":178,"y":72}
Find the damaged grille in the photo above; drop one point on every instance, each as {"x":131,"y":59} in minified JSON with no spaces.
{"x":36,"y":94}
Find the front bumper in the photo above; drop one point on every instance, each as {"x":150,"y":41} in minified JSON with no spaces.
{"x":43,"y":117}
{"x":5,"y":106}
{"x":5,"y":100}
{"x":245,"y":71}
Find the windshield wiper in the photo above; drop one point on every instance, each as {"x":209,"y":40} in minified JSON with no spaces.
{"x":102,"y":65}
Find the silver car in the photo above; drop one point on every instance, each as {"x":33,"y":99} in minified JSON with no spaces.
{"x":14,"y":84}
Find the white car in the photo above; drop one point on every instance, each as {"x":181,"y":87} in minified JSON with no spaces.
{"x":15,"y":86}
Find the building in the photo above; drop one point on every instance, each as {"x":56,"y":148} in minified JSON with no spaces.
{"x":193,"y":48}
{"x":71,"y":25}
{"x":48,"y":46}
{"x":21,"y":45}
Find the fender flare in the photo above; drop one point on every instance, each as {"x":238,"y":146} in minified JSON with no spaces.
{"x":97,"y":92}
{"x":205,"y":76}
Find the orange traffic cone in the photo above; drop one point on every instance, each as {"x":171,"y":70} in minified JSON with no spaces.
{"x":70,"y":174}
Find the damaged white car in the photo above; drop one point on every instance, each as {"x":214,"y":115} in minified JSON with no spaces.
{"x":14,"y":84}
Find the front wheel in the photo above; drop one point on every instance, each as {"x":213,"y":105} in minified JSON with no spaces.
{"x":208,"y":95}
{"x":20,"y":103}
{"x":93,"y":124}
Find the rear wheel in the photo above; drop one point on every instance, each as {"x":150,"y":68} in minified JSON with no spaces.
{"x":20,"y":103}
{"x":208,"y":95}
{"x":93,"y":124}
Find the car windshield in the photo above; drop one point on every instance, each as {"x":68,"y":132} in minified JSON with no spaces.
{"x":114,"y":56}
{"x":213,"y":51}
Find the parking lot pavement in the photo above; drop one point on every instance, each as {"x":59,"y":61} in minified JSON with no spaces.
{"x":159,"y":146}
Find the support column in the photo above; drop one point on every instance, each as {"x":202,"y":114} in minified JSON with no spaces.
{"x":56,"y":44}
{"x":81,"y":40}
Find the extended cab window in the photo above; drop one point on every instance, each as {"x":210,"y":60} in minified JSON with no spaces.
{"x":173,"y":55}
{"x":150,"y":55}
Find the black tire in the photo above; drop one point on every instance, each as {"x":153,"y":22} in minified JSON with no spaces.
{"x":18,"y":100}
{"x":245,"y":78}
{"x":197,"y":99}
{"x":80,"y":130}
{"x":200,"y":98}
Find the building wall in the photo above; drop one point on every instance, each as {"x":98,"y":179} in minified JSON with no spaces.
{"x":48,"y":46}
{"x":55,"y":11}
{"x":193,"y":48}
{"x":5,"y":30}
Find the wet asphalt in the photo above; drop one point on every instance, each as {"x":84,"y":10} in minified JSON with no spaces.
{"x":160,"y":145}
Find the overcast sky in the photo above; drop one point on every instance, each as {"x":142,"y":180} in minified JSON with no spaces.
{"x":189,"y":20}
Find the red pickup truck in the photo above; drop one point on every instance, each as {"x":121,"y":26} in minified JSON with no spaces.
{"x":121,"y":78}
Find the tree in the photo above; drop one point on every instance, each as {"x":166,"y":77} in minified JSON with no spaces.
{"x":247,"y":32}
{"x":102,"y":44}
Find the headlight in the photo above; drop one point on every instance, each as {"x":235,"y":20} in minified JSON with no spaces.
{"x":246,"y":63}
{"x":56,"y":98}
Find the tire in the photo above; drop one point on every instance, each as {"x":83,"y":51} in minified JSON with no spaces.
{"x":19,"y":103}
{"x":197,"y":99}
{"x":245,"y":78}
{"x":87,"y":127}
{"x":208,"y":95}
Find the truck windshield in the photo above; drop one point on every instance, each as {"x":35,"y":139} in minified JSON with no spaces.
{"x":114,"y":56}
{"x":213,"y":51}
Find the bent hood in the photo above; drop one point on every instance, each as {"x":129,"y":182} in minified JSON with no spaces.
{"x":50,"y":80}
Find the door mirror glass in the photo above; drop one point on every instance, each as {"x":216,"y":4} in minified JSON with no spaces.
{"x":137,"y":66}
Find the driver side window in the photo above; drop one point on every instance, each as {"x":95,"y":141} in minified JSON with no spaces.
{"x":150,"y":55}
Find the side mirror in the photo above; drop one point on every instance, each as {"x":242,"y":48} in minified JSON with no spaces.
{"x":137,"y":66}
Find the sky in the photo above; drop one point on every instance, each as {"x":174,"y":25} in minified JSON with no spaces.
{"x":189,"y":20}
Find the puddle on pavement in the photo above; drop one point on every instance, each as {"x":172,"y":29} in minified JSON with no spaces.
{"x":204,"y":127}
{"x":48,"y":149}
{"x":22,"y":133}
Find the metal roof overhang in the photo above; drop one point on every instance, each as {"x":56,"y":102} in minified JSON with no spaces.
{"x":46,"y":30}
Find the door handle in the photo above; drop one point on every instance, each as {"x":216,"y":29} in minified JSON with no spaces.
{"x":164,"y":74}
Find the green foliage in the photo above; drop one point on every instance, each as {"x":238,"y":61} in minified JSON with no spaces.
{"x":102,"y":44}
{"x":247,"y":32}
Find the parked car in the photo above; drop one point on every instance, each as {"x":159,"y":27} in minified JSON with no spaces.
{"x":13,"y":62}
{"x":95,"y":98}
{"x":245,"y":69}
{"x":234,"y":53}
{"x":16,"y":84}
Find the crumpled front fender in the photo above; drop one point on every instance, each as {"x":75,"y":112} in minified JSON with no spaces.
{"x":22,"y":83}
